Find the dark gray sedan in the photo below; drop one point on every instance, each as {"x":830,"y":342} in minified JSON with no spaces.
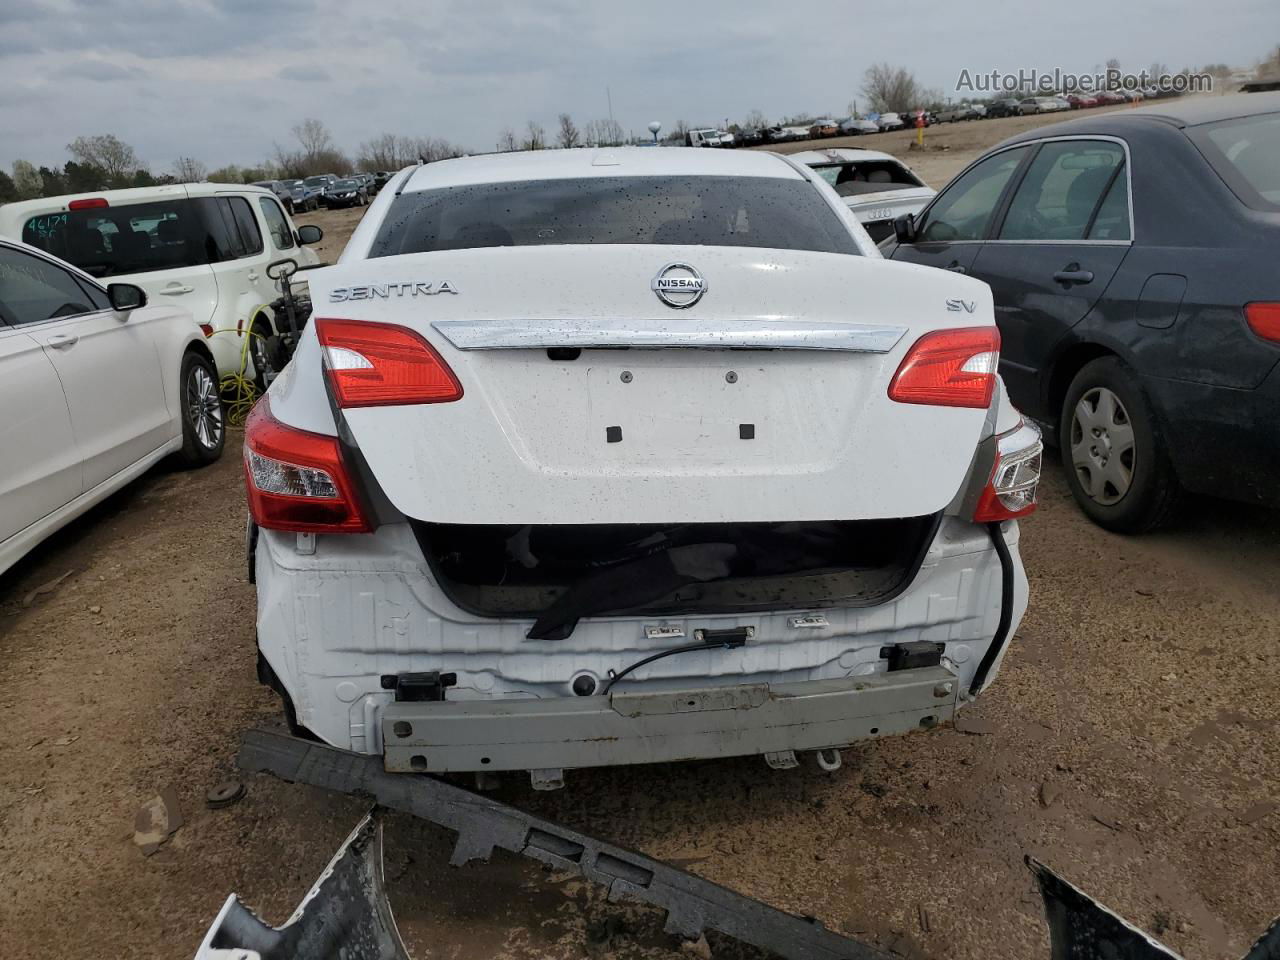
{"x":1132,"y":257}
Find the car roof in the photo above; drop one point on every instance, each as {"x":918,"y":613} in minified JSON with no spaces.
{"x":841,"y":155}
{"x":612,"y":162}
{"x":1183,"y":112}
{"x":116,"y":198}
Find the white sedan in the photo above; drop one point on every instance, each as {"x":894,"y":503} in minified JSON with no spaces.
{"x":876,"y":186}
{"x":95,"y":387}
{"x":623,"y":456}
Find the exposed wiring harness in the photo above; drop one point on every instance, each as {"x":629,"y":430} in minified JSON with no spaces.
{"x":238,"y":389}
{"x":723,"y":643}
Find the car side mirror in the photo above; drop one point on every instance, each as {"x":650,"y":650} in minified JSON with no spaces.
{"x":904,"y":228}
{"x":126,"y":296}
{"x":310,"y":233}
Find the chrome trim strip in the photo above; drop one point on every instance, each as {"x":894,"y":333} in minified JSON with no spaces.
{"x":670,"y":332}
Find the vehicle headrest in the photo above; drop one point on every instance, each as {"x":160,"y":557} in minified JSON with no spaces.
{"x":169,"y":231}
{"x":1083,"y":193}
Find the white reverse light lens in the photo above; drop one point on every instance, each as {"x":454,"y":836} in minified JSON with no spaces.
{"x":290,"y":480}
{"x":1018,"y":473}
{"x":982,"y":363}
{"x":342,"y":358}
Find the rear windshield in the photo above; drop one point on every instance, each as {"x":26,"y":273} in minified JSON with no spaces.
{"x":144,"y":237}
{"x":708,"y":211}
{"x":866,"y":176}
{"x":1246,"y":152}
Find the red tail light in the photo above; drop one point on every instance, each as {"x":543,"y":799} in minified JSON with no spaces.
{"x":949,"y":368}
{"x":296,"y":479}
{"x":383,"y":364}
{"x":1264,"y":320}
{"x":88,"y":204}
{"x":1011,"y":489}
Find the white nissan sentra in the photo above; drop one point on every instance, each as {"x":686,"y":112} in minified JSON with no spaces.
{"x":594,"y":458}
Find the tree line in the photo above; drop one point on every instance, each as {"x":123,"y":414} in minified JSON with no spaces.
{"x":104,"y":162}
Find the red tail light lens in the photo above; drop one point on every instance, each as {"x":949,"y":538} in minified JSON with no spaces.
{"x":949,"y":368}
{"x":88,"y":204}
{"x":296,"y":479}
{"x":1264,"y":320}
{"x":1011,"y":490}
{"x":383,"y":364}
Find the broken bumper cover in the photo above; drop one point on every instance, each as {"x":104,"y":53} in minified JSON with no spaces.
{"x":657,"y":727}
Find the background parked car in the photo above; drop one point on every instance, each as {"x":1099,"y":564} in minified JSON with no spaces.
{"x":302,"y":198}
{"x":1003,"y":108}
{"x":278,"y":187}
{"x":320,"y":184}
{"x":1132,"y":259}
{"x":855,"y":126}
{"x":201,"y":246}
{"x":96,"y":386}
{"x":1080,"y":101}
{"x":877,"y":187}
{"x":347,"y":192}
{"x":1030,"y":105}
{"x":960,"y":111}
{"x":890,"y":121}
{"x":823,"y":128}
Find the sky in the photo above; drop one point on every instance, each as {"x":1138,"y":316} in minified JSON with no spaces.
{"x":224,"y":80}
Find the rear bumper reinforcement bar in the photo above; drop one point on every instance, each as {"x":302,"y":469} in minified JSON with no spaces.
{"x":692,"y":903}
{"x":658,"y":727}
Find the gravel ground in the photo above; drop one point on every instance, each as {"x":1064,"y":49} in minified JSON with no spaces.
{"x":1130,"y":742}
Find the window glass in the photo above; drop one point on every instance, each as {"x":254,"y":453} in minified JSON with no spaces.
{"x":1246,"y":152}
{"x":867,"y":176}
{"x":772,"y":212}
{"x":1061,"y":190}
{"x":250,"y":235}
{"x":33,"y":290}
{"x":127,"y":239}
{"x":1111,"y":222}
{"x":221,"y":238}
{"x":963,"y":211}
{"x":97,"y":296}
{"x":281,"y":235}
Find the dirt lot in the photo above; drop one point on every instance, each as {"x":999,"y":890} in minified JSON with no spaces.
{"x":1131,"y":742}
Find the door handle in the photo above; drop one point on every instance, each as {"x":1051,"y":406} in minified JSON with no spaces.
{"x":60,"y":341}
{"x":175,"y":291}
{"x":956,"y":267}
{"x":1073,"y":274}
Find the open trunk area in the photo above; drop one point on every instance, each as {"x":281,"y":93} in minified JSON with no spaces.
{"x":561,"y":573}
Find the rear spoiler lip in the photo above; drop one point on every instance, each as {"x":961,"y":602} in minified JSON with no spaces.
{"x":673,"y":332}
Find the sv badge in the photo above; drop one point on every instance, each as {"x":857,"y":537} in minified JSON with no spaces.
{"x":968,"y":306}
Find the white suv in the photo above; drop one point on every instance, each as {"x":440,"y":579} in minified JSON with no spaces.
{"x":203,"y":246}
{"x":624,"y":456}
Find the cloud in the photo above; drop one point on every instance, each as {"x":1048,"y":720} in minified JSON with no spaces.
{"x":224,"y":80}
{"x":304,"y":74}
{"x":102,"y":71}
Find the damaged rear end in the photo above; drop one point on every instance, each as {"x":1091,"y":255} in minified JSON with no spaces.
{"x":567,"y":505}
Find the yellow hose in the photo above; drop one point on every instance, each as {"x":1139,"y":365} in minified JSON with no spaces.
{"x":238,"y":390}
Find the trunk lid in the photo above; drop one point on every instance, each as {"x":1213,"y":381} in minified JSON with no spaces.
{"x":690,"y":423}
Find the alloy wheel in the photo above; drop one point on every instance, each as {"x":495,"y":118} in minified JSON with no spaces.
{"x":204,"y":407}
{"x":1102,"y":446}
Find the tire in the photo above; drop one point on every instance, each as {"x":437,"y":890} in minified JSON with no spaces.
{"x":204,"y":427}
{"x":1114,"y":452}
{"x":260,"y":354}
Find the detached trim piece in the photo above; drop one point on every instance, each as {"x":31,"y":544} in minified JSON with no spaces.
{"x":692,"y":903}
{"x":670,"y":332}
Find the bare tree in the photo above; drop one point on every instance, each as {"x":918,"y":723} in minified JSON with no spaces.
{"x":568,"y":137}
{"x":189,"y":170}
{"x":756,"y":120}
{"x":388,"y":151}
{"x":507,"y":141}
{"x":314,"y":137}
{"x":26,"y":180}
{"x":890,"y":89}
{"x":535,"y":137}
{"x":431,"y":149}
{"x":604,"y":133}
{"x":105,"y":151}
